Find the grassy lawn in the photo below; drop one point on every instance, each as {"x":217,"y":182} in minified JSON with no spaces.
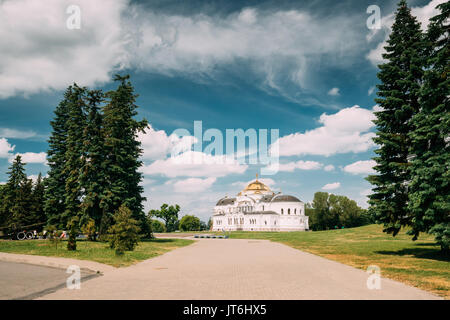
{"x":417,"y":263}
{"x":94,"y":251}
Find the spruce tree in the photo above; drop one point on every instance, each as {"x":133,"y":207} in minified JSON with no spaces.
{"x":56,"y":181}
{"x":38,"y":202}
{"x":122,"y":154}
{"x":429,"y":198}
{"x":398,"y":93}
{"x":18,"y":195}
{"x":74,"y":156}
{"x":92,"y":177}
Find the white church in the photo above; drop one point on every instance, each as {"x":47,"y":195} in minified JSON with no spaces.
{"x":257,"y":208}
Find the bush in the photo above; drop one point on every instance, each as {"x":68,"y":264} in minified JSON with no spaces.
{"x":53,"y":235}
{"x":124,"y":234}
{"x":73,"y":227}
{"x":89,"y":229}
{"x":190,"y":223}
{"x":158,"y":226}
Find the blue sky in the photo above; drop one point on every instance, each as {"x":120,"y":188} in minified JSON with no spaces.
{"x":306,"y":68}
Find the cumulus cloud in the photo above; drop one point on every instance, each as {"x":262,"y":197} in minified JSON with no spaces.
{"x":423,"y":15}
{"x":291,"y":166}
{"x":38,"y":52}
{"x":343,"y":132}
{"x":279,"y":45}
{"x":360,"y":167}
{"x":5,"y":148}
{"x":329,"y":167}
{"x":334,"y":92}
{"x":331,"y":186}
{"x":16,"y":134}
{"x":194,"y":164}
{"x":192,"y":185}
{"x":156,"y":144}
{"x":31,"y":157}
{"x":241,"y":184}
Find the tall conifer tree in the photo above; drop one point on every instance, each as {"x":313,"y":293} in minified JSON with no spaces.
{"x":398,"y":93}
{"x":430,"y":148}
{"x":122,"y":153}
{"x":74,"y":157}
{"x":92,"y":177}
{"x":56,"y":156}
{"x":18,"y":195}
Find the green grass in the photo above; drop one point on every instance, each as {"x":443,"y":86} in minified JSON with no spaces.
{"x":419,"y":263}
{"x":94,"y":251}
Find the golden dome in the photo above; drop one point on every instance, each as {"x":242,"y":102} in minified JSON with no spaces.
{"x":256,"y":187}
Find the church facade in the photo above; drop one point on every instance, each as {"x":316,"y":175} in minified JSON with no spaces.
{"x":257,"y":208}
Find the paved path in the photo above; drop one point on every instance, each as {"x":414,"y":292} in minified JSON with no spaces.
{"x":237,"y":269}
{"x":27,"y":281}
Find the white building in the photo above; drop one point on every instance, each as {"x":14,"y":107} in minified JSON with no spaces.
{"x":257,"y":208}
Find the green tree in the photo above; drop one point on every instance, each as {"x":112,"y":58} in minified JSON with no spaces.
{"x":429,"y":189}
{"x":122,"y":152}
{"x":398,"y":98}
{"x":125,"y":231}
{"x":74,"y":154}
{"x":56,"y":157}
{"x":37,"y":209}
{"x":189,"y":223}
{"x":92,"y":176}
{"x":169,"y":214}
{"x":323,"y":218}
{"x":158,"y":226}
{"x":73,"y":227}
{"x":17,"y":196}
{"x":89,"y":228}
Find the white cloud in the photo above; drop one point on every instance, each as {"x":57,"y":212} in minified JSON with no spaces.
{"x":5,"y":148}
{"x":423,"y":14}
{"x":329,"y":167}
{"x":38,"y":52}
{"x":291,"y":166}
{"x":331,"y":186}
{"x":241,"y":184}
{"x":31,"y":157}
{"x":157,"y":144}
{"x":343,"y":132}
{"x":16,"y":134}
{"x":280,"y":45}
{"x":194,"y":164}
{"x":360,"y":167}
{"x":191,"y":185}
{"x":334,"y":92}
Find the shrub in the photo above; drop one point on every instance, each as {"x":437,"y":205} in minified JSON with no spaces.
{"x":124,"y":234}
{"x":53,"y":235}
{"x":158,"y":226}
{"x":73,"y":227}
{"x":89,"y":229}
{"x":190,"y":223}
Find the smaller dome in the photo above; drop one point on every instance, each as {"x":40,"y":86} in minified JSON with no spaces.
{"x":284,"y":198}
{"x":225,"y":201}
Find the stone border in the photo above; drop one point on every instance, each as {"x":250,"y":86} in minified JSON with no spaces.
{"x":57,"y":262}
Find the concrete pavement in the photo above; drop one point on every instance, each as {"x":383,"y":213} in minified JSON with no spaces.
{"x":27,"y":281}
{"x":238,"y":269}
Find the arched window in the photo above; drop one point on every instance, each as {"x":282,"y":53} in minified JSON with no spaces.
{"x":295,"y":211}
{"x":289,"y":211}
{"x":281,"y":211}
